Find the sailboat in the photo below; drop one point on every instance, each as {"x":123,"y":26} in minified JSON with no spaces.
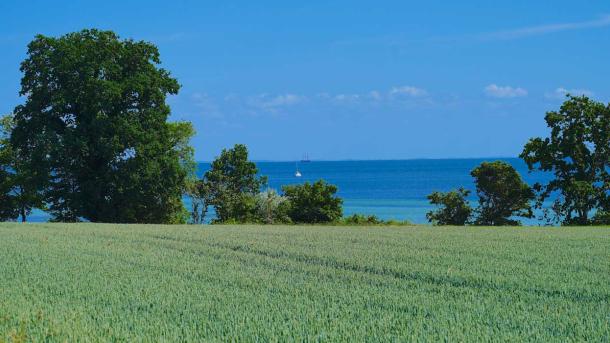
{"x":305,"y":158}
{"x":297,"y":173}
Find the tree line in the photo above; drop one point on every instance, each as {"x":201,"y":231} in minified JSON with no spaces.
{"x":233,"y":186}
{"x":576,"y":154}
{"x":92,"y":141}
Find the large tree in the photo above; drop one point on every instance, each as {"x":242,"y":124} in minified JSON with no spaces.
{"x":94,"y":129}
{"x":502,"y":194}
{"x":234,"y":182}
{"x":577,"y":153}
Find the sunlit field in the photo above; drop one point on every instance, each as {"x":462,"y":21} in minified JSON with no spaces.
{"x":68,"y":282}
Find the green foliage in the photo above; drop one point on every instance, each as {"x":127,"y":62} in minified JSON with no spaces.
{"x":200,"y":193}
{"x":396,"y":222}
{"x":502,"y":194}
{"x":369,"y":220}
{"x":453,"y":208}
{"x":578,"y":154}
{"x":306,"y":284}
{"x":19,"y":190}
{"x":601,"y":218}
{"x":93,"y":131}
{"x":313,"y":203}
{"x":271,"y":208}
{"x":361,"y":219}
{"x":234,"y":183}
{"x":8,"y":206}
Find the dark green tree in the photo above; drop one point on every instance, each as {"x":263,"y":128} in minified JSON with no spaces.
{"x":502,"y":194}
{"x":313,"y":203}
{"x":8,"y":205}
{"x":577,"y":153}
{"x":20,"y":188}
{"x":453,"y":208}
{"x":94,"y":130}
{"x":234,"y":182}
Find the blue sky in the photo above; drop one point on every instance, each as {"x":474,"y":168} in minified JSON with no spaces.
{"x":348,"y":79}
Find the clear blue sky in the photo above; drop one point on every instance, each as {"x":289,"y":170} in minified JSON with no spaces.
{"x":348,"y":79}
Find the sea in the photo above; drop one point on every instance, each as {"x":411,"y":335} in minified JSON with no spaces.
{"x":389,"y":189}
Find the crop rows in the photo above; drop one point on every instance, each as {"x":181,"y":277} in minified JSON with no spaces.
{"x":190,"y":283}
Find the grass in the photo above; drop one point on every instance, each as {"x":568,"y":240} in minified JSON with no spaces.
{"x":69,"y":282}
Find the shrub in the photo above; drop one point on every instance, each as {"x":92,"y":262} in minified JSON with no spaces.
{"x":313,"y":203}
{"x":271,"y":208}
{"x":361,"y":219}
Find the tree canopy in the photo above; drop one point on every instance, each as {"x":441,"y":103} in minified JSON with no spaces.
{"x":502,"y":194}
{"x":313,"y":202}
{"x":577,"y":153}
{"x":93,"y":132}
{"x":234,"y":182}
{"x":453,"y":208}
{"x":18,"y":185}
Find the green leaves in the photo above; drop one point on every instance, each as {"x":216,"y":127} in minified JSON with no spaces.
{"x":233,"y":183}
{"x":453,"y":208}
{"x":313,"y":203}
{"x":502,"y":194}
{"x":578,"y":154}
{"x":93,"y":132}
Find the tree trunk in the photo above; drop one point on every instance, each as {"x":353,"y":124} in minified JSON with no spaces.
{"x":23,"y":215}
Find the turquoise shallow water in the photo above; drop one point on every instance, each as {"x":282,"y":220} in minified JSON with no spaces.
{"x":394,"y":189}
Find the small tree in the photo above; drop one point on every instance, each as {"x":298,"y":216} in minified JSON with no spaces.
{"x":453,"y":208}
{"x":233,"y":182}
{"x":578,"y":154}
{"x":502,"y":194}
{"x":201,"y":196}
{"x":313,"y":203}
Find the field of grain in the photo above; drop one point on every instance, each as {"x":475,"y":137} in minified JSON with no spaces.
{"x":95,"y":282}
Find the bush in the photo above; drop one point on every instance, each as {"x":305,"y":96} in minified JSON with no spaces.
{"x":454,"y":208}
{"x":313,"y":203}
{"x":271,"y":208}
{"x":395,"y":222}
{"x":361,"y":219}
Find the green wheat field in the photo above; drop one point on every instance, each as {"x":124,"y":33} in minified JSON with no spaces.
{"x":94,"y":282}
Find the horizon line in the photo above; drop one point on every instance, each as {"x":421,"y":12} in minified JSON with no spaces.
{"x":380,"y":160}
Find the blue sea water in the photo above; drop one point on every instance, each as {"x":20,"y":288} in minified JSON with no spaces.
{"x":394,"y":189}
